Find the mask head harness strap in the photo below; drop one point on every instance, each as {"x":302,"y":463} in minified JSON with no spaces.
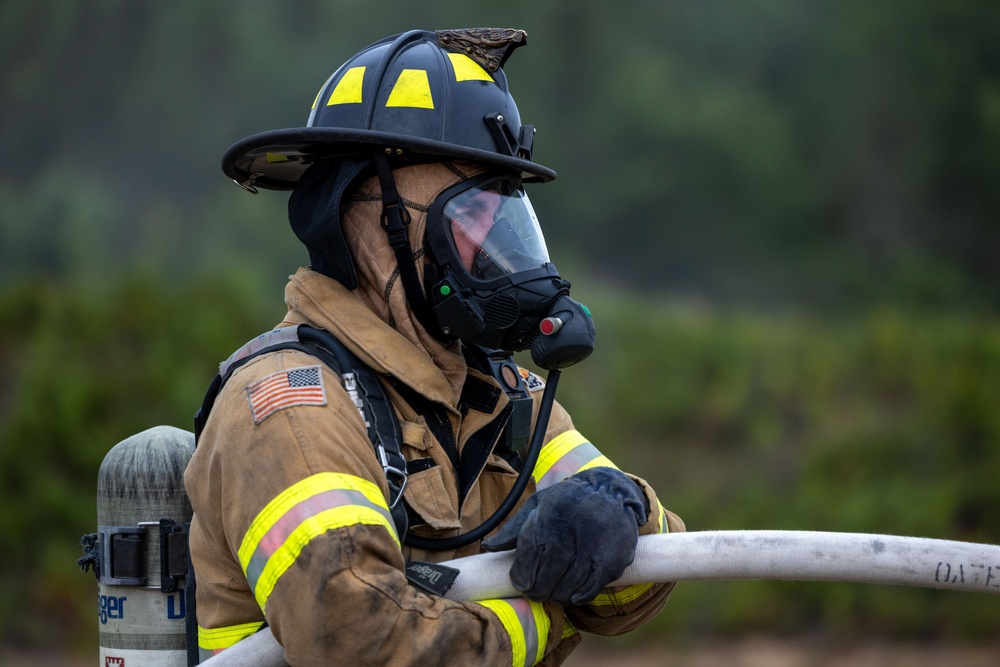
{"x":396,"y":223}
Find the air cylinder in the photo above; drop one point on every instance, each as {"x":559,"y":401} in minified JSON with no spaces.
{"x":142,"y":515}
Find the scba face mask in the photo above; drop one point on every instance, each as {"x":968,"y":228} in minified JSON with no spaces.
{"x":493,"y":230}
{"x":490,"y":281}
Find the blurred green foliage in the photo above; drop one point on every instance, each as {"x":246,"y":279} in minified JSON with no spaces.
{"x":782,"y":213}
{"x":883,"y":424}
{"x":80,"y":370}
{"x":824,"y":154}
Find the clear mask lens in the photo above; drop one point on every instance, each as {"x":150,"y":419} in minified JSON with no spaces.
{"x":494,"y":230}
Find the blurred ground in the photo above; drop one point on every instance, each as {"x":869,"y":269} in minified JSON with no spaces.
{"x":18,"y":658}
{"x":756,"y":652}
{"x":768,"y":652}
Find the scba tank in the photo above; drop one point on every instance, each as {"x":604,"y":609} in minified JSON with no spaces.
{"x":143,"y":514}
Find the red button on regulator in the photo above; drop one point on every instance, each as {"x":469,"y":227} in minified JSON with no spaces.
{"x":550,"y":325}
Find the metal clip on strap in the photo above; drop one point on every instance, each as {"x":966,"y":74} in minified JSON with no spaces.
{"x":394,"y":466}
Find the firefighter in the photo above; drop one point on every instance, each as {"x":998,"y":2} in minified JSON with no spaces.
{"x":428,"y":266}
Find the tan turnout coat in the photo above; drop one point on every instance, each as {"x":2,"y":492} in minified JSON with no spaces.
{"x":291,"y":520}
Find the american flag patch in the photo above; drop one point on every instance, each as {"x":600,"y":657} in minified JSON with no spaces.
{"x":298,"y":386}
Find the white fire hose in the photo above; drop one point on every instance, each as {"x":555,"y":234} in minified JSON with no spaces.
{"x":718,"y":555}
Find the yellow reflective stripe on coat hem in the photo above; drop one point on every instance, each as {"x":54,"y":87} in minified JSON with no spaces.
{"x":216,"y":639}
{"x":311,"y":507}
{"x":526,"y":624}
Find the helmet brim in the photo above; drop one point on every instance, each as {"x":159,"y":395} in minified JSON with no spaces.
{"x":276,"y":159}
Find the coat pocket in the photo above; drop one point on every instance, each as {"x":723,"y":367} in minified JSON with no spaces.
{"x":427,"y":495}
{"x":495,"y":482}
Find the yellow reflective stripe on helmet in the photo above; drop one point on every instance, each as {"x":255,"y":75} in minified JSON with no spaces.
{"x":467,"y":69}
{"x":528,"y":626}
{"x":564,"y":455}
{"x":348,"y":89}
{"x":214,"y":640}
{"x":412,"y":89}
{"x":314,"y":506}
{"x":612,"y":597}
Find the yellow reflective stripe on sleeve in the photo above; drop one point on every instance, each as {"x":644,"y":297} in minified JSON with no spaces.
{"x":467,"y":69}
{"x":314,"y":506}
{"x":564,"y":455}
{"x":527,"y":624}
{"x":412,"y":89}
{"x":614,"y":598}
{"x":664,"y":526}
{"x":568,"y":630}
{"x":600,"y":461}
{"x":348,"y":89}
{"x":217,"y":639}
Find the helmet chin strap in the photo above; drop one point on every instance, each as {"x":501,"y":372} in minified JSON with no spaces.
{"x":396,"y":223}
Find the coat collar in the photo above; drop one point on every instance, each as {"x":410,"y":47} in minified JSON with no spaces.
{"x":317,"y":300}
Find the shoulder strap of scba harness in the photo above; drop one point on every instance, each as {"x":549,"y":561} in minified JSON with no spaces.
{"x":363,"y":388}
{"x":365,"y":391}
{"x":359,"y":382}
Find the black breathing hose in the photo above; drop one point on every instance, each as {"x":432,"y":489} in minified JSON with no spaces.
{"x":501,"y":513}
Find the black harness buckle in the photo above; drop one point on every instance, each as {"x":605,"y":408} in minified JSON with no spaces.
{"x":396,"y":222}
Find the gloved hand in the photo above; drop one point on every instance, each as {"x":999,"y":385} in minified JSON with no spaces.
{"x":575,"y":537}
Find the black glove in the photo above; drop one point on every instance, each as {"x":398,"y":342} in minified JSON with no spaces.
{"x":574,"y":537}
